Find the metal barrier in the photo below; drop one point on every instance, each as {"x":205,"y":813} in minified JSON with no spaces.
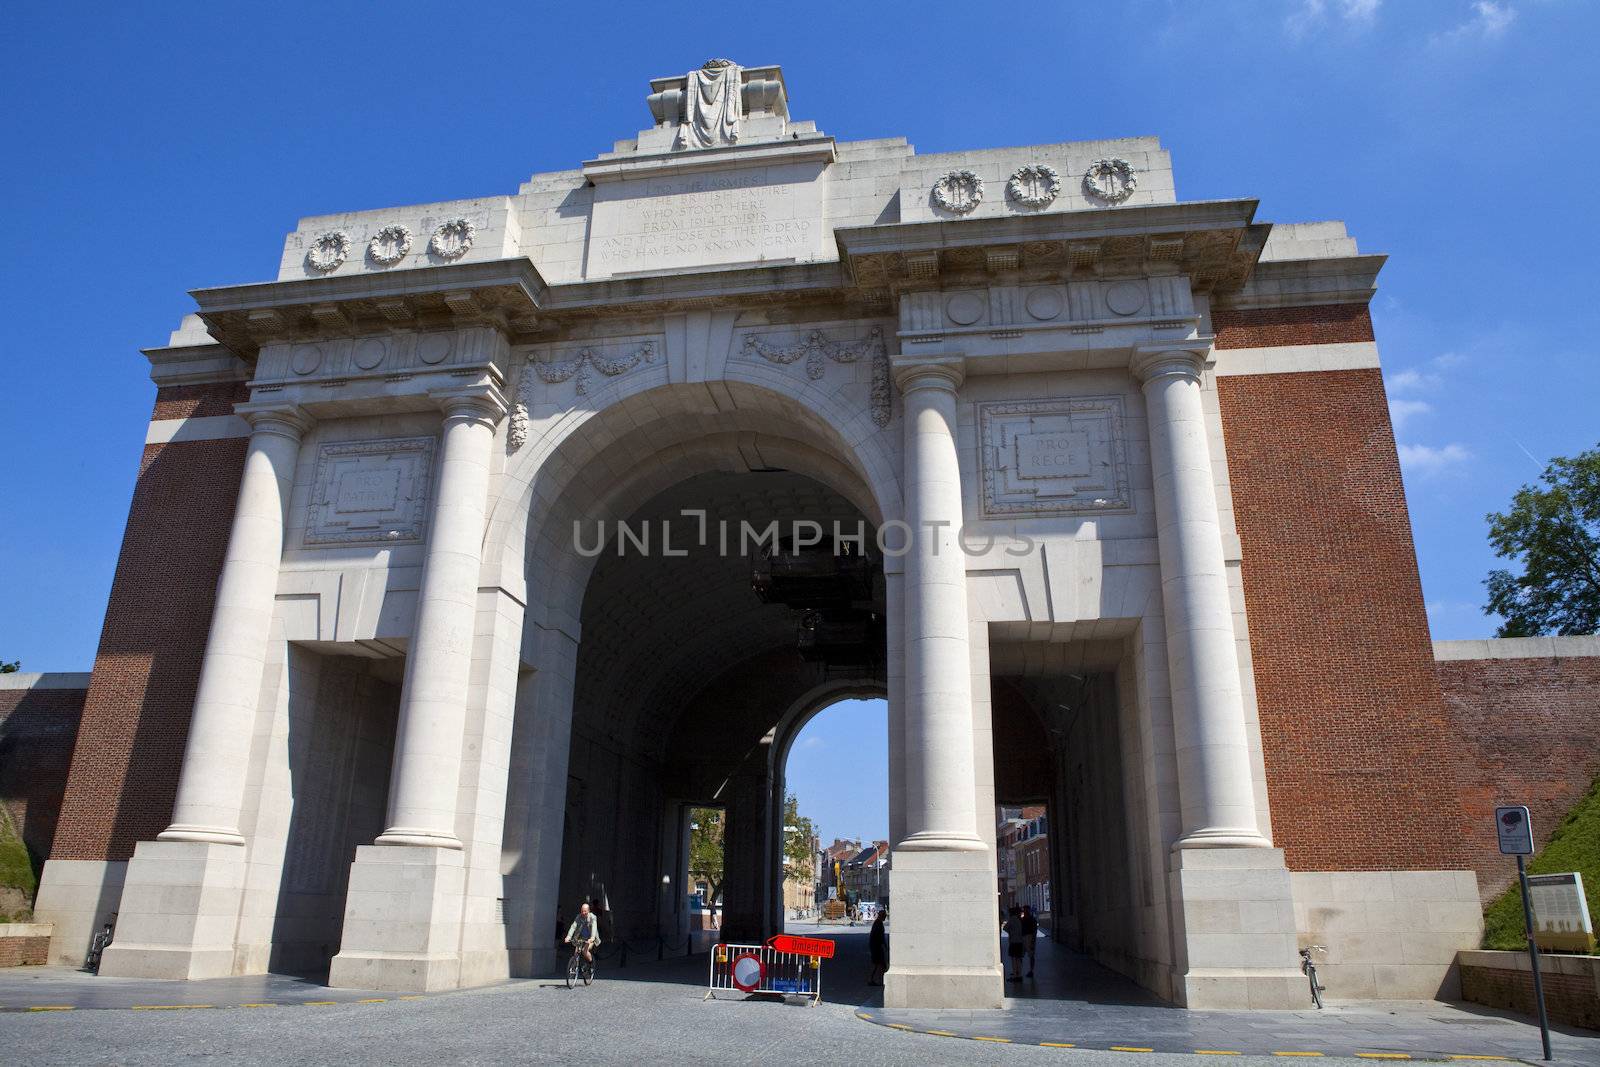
{"x":749,"y":969}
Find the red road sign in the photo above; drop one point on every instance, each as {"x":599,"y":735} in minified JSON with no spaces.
{"x":747,"y":971}
{"x":819,"y":947}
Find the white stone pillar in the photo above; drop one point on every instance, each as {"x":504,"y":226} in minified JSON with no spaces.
{"x":433,"y":699}
{"x":211,"y":786}
{"x":1218,"y":803}
{"x":943,"y":889}
{"x":179,"y":908}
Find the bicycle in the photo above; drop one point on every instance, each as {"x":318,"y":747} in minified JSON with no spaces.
{"x":579,"y":968}
{"x":97,"y":945}
{"x":1309,"y":969}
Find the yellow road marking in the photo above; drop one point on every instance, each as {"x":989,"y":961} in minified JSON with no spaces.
{"x":1055,"y":1044}
{"x":859,"y":1014}
{"x":898,"y":1026}
{"x":169,"y":1007}
{"x":1129,"y":1048}
{"x":940,"y":1033}
{"x":1384,"y":1055}
{"x":374,"y":1000}
{"x":51,"y":1007}
{"x":263,"y":1005}
{"x":320,"y":1003}
{"x":419,"y":998}
{"x":998,"y":1040}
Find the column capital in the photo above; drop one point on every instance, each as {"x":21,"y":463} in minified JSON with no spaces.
{"x":1185,"y":358}
{"x":275,"y":417}
{"x":477,"y":403}
{"x":924,"y":372}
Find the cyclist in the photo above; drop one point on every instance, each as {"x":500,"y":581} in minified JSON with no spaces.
{"x":584,"y":933}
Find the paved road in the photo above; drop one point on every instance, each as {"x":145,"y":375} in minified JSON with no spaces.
{"x":645,"y":1014}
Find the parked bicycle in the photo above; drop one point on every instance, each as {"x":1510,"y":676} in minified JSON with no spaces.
{"x":97,"y":945}
{"x":1309,"y":969}
{"x":578,"y":968}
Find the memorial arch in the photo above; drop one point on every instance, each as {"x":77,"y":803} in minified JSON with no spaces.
{"x":1132,"y":544}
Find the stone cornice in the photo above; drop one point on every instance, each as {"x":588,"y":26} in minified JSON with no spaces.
{"x":1215,"y":242}
{"x":1304,"y":282}
{"x":810,"y":148}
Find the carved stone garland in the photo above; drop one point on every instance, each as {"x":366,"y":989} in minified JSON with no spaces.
{"x":958,"y":192}
{"x":816,"y":347}
{"x":1111,"y":180}
{"x":453,"y":238}
{"x":1035,"y":185}
{"x":554,"y":372}
{"x":328,"y":250}
{"x":389,"y":245}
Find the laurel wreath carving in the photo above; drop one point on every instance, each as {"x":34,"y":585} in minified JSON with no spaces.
{"x":1035,"y":185}
{"x":958,"y":192}
{"x":453,"y":238}
{"x":328,"y":250}
{"x":1097,"y":180}
{"x":390,"y":245}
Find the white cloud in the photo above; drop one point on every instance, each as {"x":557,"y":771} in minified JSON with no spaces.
{"x":1426,"y":459}
{"x":1401,"y":410}
{"x":1309,"y":14}
{"x":1488,"y":21}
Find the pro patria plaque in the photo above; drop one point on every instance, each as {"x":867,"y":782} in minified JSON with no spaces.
{"x":1054,"y":456}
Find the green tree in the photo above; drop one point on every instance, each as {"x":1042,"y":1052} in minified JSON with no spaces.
{"x":10,"y":666}
{"x":706,"y":827}
{"x":1553,"y":529}
{"x":798,"y":834}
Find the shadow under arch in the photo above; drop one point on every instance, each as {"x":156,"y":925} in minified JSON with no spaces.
{"x":605,"y":464}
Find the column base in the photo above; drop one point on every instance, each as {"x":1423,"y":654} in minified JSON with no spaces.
{"x":402,"y":920}
{"x":943,"y":914}
{"x":77,"y":897}
{"x":179,"y":912}
{"x":1233,"y":913}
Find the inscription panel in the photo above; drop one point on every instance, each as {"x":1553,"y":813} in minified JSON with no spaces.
{"x":1055,"y":456}
{"x":740,"y":216}
{"x":370,"y":491}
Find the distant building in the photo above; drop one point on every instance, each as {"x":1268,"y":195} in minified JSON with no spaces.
{"x":1023,"y":840}
{"x":866,"y":874}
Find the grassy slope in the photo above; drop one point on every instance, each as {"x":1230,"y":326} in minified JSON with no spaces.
{"x":16,"y":869}
{"x":1575,"y":846}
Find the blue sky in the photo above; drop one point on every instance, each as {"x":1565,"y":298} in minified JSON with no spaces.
{"x":166,"y":146}
{"x":836,"y":771}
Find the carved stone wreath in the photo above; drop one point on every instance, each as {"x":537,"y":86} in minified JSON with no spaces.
{"x":1035,"y":185}
{"x":1111,"y":180}
{"x":816,"y":347}
{"x":389,"y":245}
{"x":452,"y":239}
{"x":328,"y":250}
{"x":958,"y":192}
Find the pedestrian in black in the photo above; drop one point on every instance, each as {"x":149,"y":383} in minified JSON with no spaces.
{"x":1016,"y":945}
{"x":878,"y":942}
{"x":1030,"y":934}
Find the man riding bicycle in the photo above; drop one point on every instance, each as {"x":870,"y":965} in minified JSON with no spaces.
{"x":584,"y":933}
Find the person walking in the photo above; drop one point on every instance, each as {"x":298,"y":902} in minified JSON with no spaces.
{"x":1030,"y":934}
{"x":1016,"y":945}
{"x":878,"y":942}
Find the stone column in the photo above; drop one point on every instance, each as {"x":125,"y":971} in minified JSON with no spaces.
{"x":1232,"y":905}
{"x":180,"y":901}
{"x":943,"y":895}
{"x":433,"y":699}
{"x":1207,"y":700}
{"x":403,"y":908}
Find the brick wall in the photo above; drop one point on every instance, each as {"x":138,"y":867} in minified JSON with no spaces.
{"x":1530,"y":734}
{"x":1570,"y":998}
{"x":1359,"y":750}
{"x":24,"y":951}
{"x":136,"y":715}
{"x":37,"y":729}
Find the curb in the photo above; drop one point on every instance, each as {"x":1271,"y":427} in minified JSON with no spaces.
{"x":1135,"y":1048}
{"x":62,"y":1009}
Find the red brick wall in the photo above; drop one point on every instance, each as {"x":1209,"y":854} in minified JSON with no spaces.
{"x":1530,"y":734}
{"x":1568,"y":998}
{"x":37,"y":728}
{"x":1359,"y":750}
{"x":199,"y":401}
{"x":1266,"y":327}
{"x":24,"y":951}
{"x":136,"y":715}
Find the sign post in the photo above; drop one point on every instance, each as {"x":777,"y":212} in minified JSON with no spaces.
{"x":1515,"y":831}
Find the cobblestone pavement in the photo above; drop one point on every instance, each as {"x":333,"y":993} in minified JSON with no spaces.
{"x":649,"y":1013}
